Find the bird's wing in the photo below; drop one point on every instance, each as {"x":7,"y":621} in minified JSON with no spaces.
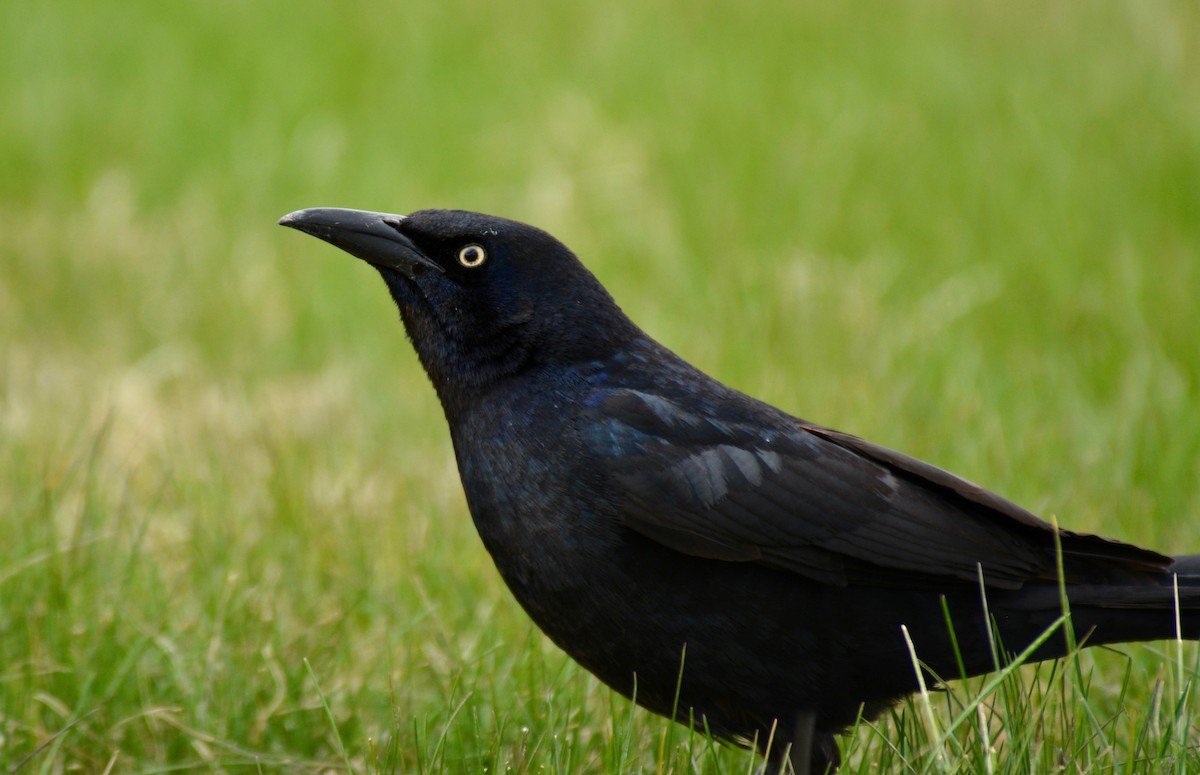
{"x":758,"y":486}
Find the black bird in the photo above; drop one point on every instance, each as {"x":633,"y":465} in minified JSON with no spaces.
{"x":649,"y":518}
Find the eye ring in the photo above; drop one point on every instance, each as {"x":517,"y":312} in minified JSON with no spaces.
{"x":472,"y":256}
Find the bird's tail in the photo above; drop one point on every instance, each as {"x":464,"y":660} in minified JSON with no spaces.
{"x":1165,"y":608}
{"x":1186,"y":567}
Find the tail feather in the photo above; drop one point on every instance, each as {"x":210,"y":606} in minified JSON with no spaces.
{"x":1186,"y":566}
{"x":1109,"y":613}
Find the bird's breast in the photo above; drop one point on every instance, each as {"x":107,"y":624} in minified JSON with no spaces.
{"x":528,"y":484}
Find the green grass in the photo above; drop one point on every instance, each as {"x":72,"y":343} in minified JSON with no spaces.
{"x":231,"y":532}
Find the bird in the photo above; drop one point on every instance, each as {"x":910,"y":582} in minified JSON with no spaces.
{"x":710,"y":556}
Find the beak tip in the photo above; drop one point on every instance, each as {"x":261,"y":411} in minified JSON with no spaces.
{"x":291,"y":219}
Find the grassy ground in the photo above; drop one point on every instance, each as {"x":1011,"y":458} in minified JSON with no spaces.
{"x":231,"y":533}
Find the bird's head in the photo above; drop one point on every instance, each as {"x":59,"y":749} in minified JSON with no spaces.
{"x":481,"y":297}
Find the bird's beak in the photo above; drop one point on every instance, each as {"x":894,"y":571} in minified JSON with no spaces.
{"x":373,"y":237}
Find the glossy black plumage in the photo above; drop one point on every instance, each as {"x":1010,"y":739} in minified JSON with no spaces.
{"x":643,"y":513}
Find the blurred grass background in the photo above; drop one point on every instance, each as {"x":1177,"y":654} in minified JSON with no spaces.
{"x":971,"y":232}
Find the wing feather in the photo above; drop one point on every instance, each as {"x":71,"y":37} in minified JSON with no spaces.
{"x":820,"y":503}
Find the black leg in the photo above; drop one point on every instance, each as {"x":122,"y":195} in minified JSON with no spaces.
{"x":804,"y":734}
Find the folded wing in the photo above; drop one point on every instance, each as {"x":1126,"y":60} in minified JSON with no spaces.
{"x":758,"y":486}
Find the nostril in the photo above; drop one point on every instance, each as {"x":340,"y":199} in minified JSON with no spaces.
{"x":393,"y":221}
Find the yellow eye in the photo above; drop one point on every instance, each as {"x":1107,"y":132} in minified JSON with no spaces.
{"x":472,"y":256}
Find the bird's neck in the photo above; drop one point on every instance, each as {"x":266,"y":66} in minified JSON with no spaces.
{"x":463,"y":371}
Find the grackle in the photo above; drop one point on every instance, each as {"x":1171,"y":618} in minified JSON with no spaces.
{"x":702,"y":552}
